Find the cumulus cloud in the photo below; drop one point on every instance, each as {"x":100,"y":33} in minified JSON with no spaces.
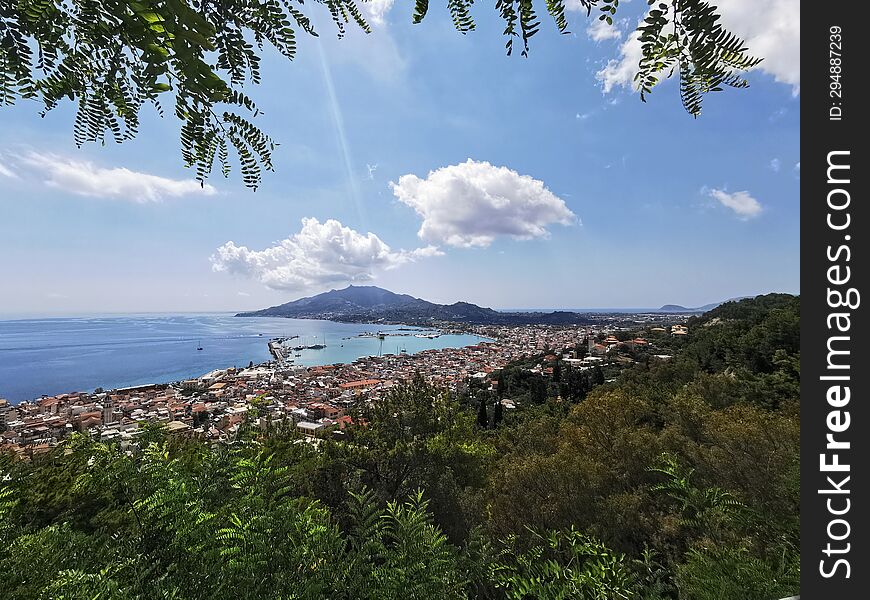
{"x":87,"y":179}
{"x":376,"y":10}
{"x":775,"y":165}
{"x":473,"y":203}
{"x":620,"y":72}
{"x":600,"y":31}
{"x":743,"y":205}
{"x":771,"y":30}
{"x":319,"y":255}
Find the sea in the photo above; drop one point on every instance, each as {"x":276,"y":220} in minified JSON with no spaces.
{"x":48,"y":356}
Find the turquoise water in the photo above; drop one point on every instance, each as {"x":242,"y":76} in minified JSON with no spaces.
{"x":54,"y":355}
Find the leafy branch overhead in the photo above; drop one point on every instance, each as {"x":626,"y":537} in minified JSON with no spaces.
{"x":111,"y":57}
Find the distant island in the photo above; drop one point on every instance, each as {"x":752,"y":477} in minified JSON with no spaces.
{"x":370,"y":304}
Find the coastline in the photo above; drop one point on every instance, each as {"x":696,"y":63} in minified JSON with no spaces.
{"x":56,"y":355}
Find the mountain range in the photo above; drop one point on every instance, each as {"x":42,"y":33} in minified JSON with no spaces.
{"x":369,"y":304}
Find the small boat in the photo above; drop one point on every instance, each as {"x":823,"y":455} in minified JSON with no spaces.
{"x":199,"y":347}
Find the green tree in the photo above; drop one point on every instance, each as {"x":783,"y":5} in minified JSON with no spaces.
{"x":193,"y":58}
{"x":538,"y":390}
{"x":215,"y":524}
{"x":597,"y":376}
{"x":564,"y":564}
{"x":482,"y":415}
{"x":418,"y":437}
{"x":497,"y":413}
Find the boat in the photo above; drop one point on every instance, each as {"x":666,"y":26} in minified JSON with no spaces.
{"x":199,"y":347}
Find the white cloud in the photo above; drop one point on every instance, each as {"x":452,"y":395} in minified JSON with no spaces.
{"x":319,"y":255}
{"x":600,"y":31}
{"x":775,"y":165}
{"x":87,"y":179}
{"x":771,"y":30}
{"x":377,"y":10}
{"x":743,"y":205}
{"x":7,"y":172}
{"x":473,"y":203}
{"x":620,"y":72}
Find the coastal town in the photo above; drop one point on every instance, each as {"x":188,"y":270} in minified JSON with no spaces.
{"x":317,"y":401}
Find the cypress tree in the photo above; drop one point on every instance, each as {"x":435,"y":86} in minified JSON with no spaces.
{"x":482,"y":415}
{"x":598,"y":376}
{"x":498,"y":414}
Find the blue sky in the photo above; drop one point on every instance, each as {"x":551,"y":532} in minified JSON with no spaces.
{"x":574,"y":197}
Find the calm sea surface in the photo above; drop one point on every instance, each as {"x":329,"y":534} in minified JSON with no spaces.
{"x":55,"y":355}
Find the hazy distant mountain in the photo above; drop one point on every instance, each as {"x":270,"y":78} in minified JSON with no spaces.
{"x":369,"y":304}
{"x":676,"y":308}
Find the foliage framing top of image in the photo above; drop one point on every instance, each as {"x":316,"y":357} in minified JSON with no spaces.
{"x":111,"y":57}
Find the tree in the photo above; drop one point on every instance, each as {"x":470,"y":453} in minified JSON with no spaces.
{"x":564,"y":564}
{"x":194,"y":57}
{"x":538,"y":390}
{"x":482,"y":415}
{"x":213,"y":524}
{"x":416,"y":437}
{"x":597,"y":376}
{"x":576,"y":384}
{"x":498,"y":413}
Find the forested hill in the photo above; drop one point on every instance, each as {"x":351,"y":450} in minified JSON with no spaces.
{"x":756,"y":341}
{"x":678,"y":479}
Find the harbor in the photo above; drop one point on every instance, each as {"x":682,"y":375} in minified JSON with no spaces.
{"x":282,"y":352}
{"x":127,"y":350}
